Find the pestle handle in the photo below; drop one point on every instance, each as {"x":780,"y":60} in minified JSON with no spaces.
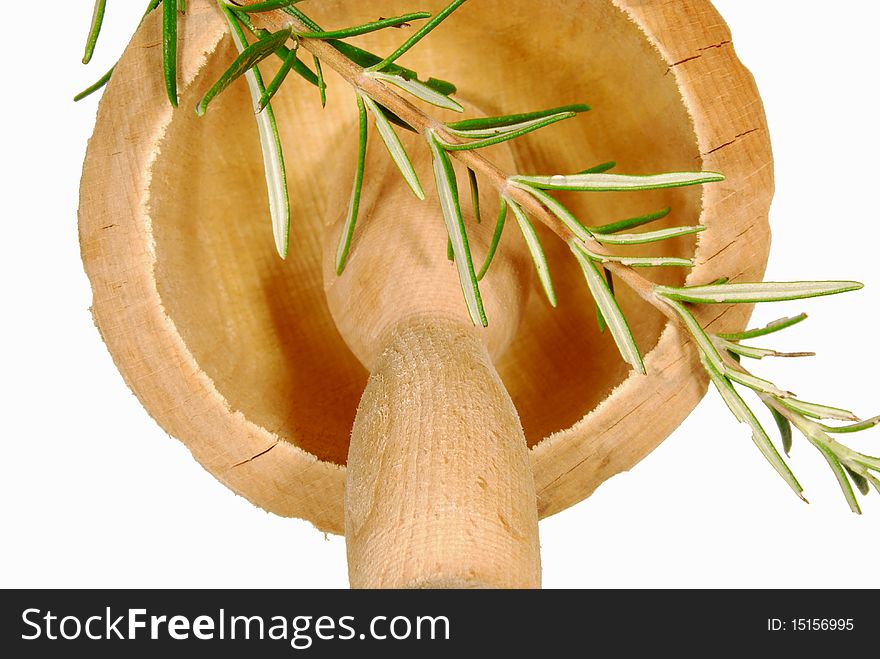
{"x":440,"y":492}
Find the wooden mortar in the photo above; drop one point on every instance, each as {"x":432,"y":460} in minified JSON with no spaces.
{"x":238,"y":354}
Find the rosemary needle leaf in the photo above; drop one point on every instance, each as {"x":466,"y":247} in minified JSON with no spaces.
{"x":247,"y":59}
{"x":322,"y":86}
{"x":496,"y":237}
{"x":181,"y":6}
{"x":855,"y":427}
{"x":756,"y":383}
{"x":648,"y":236}
{"x":169,"y":48}
{"x":708,"y":353}
{"x":395,"y":148}
{"x":268,"y":5}
{"x":759,"y":353}
{"x":516,"y":131}
{"x":420,"y":90}
{"x":632,"y":223}
{"x":373,"y":26}
{"x":610,"y":309}
{"x":860,"y":481}
{"x":508,"y":120}
{"x":619,"y":182}
{"x":270,"y":142}
{"x":867,"y":461}
{"x":875,"y":482}
{"x":447,"y":191}
{"x":784,"y":426}
{"x":559,"y":210}
{"x":819,"y":411}
{"x":600,"y":168}
{"x":770,"y":328}
{"x":441,"y":86}
{"x":535,"y":249}
{"x":600,"y":319}
{"x":475,"y":194}
{"x":450,"y":251}
{"x":420,"y":34}
{"x":91,"y":89}
{"x":767,"y":291}
{"x":759,"y":436}
{"x":275,"y":84}
{"x":354,"y":202}
{"x":94,"y":30}
{"x":641,"y":261}
{"x":841,"y":476}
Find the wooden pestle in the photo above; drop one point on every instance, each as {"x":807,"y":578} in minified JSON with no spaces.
{"x":439,"y":491}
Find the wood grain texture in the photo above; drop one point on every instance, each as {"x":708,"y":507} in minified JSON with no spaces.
{"x":440,"y":491}
{"x":237,"y":353}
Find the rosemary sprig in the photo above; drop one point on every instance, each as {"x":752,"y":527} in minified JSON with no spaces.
{"x":717,"y":354}
{"x":378,"y":83}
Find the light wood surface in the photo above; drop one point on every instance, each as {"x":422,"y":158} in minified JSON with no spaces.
{"x":237,"y":353}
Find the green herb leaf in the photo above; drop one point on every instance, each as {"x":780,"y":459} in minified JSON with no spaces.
{"x":756,"y":383}
{"x":841,"y":476}
{"x":611,"y":312}
{"x":600,"y":319}
{"x":860,"y":481}
{"x":784,"y":428}
{"x":169,"y":48}
{"x":246,"y":61}
{"x":355,"y":201}
{"x":519,"y":131}
{"x":867,"y":461}
{"x":631,"y":223}
{"x":770,"y":328}
{"x":322,"y":85}
{"x":268,"y":5}
{"x":618,"y":182}
{"x":535,"y":249}
{"x":91,"y":89}
{"x":856,"y":427}
{"x":447,"y":191}
{"x":270,"y":142}
{"x":475,"y":194}
{"x":600,"y":168}
{"x":767,"y":291}
{"x":420,"y":90}
{"x":641,"y":261}
{"x":275,"y":84}
{"x":709,"y":353}
{"x":94,"y":29}
{"x":366,"y":28}
{"x":496,"y":237}
{"x":758,"y":353}
{"x":481,"y":127}
{"x":420,"y":34}
{"x":395,"y":148}
{"x":648,"y":236}
{"x":818,"y":411}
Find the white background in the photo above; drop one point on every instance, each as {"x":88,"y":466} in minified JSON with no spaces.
{"x":94,"y":494}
